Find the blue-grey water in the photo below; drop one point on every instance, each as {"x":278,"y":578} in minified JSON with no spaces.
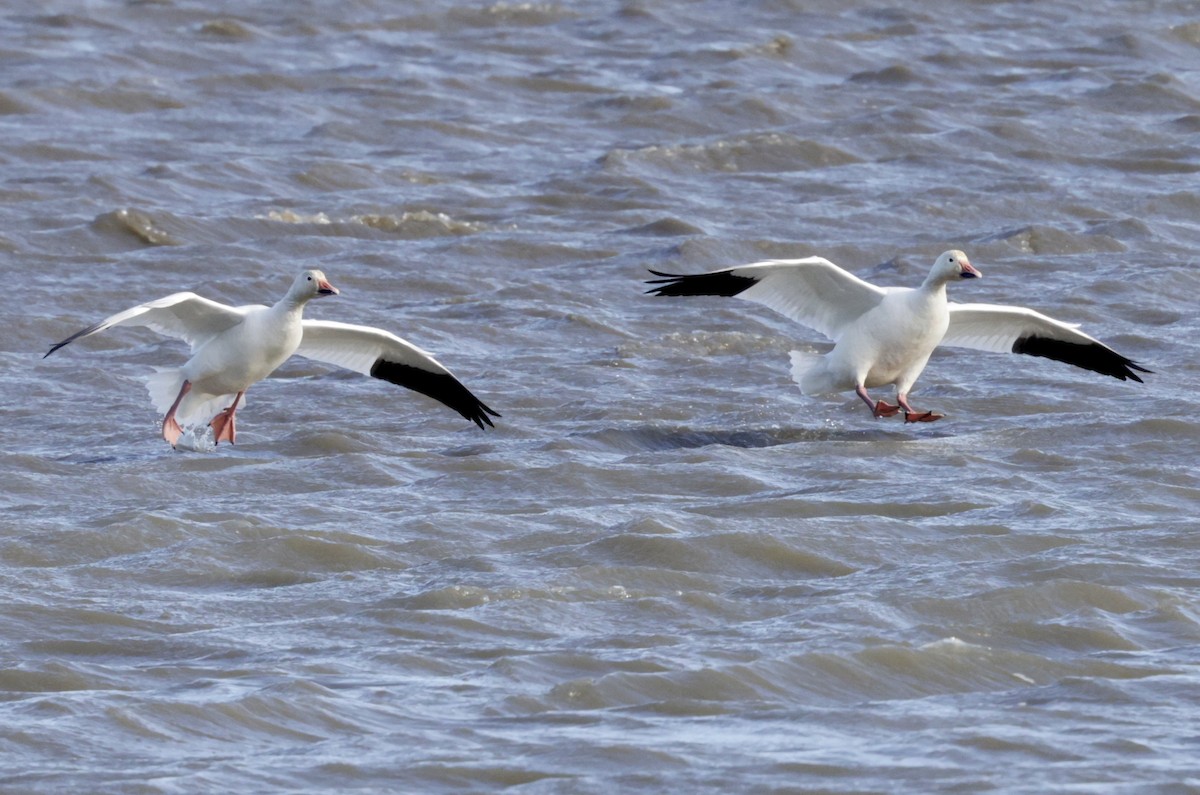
{"x":665,"y":570}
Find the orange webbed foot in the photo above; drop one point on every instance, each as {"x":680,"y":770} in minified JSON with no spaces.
{"x":885,"y":409}
{"x":924,"y":416}
{"x":224,"y":428}
{"x":223,"y":425}
{"x":171,"y":431}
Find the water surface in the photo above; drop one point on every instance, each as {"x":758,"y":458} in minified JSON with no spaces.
{"x":665,"y":570}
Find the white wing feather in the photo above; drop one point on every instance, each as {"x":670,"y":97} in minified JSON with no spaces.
{"x":811,"y":291}
{"x":358,"y":348}
{"x":996,"y":328}
{"x":383,"y":355}
{"x":185,"y":316}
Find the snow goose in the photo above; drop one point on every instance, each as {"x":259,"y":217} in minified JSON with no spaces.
{"x":885,"y":335}
{"x":236,"y":346}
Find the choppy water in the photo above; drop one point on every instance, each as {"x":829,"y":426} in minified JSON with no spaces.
{"x":665,"y":570}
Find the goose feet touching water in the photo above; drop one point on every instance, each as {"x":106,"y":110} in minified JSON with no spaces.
{"x":881,"y":408}
{"x":222,"y":425}
{"x":235,"y":347}
{"x":885,"y":335}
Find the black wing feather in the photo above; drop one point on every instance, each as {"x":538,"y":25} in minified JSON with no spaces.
{"x":442,"y":387}
{"x":725,"y":283}
{"x":1090,"y":356}
{"x":92,"y":329}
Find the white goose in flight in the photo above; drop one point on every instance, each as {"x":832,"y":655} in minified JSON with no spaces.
{"x":234,"y":347}
{"x":885,"y":335}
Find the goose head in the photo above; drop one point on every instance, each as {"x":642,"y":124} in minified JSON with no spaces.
{"x":311,"y":284}
{"x":951,"y":265}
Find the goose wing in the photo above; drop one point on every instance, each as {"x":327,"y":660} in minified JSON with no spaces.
{"x":1015,"y":329}
{"x":185,"y":316}
{"x":811,"y":291}
{"x":380,"y":354}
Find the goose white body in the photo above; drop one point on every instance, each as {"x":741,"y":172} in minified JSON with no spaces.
{"x":235,"y":347}
{"x":885,"y":335}
{"x":224,"y":365}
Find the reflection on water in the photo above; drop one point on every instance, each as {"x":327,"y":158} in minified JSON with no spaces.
{"x":651,"y":437}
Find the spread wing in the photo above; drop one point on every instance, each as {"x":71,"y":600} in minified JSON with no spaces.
{"x":383,"y":355}
{"x":185,"y":316}
{"x":811,"y":291}
{"x":1015,"y":329}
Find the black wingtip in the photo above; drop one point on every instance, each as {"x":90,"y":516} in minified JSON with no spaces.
{"x":442,"y":387}
{"x":58,"y":345}
{"x":1132,"y":365}
{"x":1094,"y":356}
{"x":481,"y":417}
{"x":92,"y":329}
{"x":666,"y":278}
{"x":723,"y":283}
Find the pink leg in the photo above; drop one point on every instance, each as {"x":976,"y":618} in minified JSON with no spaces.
{"x":881,"y":408}
{"x":224,"y":428}
{"x":171,"y":430}
{"x":916,"y":416}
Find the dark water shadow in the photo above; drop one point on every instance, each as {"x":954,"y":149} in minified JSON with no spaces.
{"x":657,"y":437}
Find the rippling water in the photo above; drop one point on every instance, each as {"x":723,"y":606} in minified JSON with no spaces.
{"x":665,"y":570}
